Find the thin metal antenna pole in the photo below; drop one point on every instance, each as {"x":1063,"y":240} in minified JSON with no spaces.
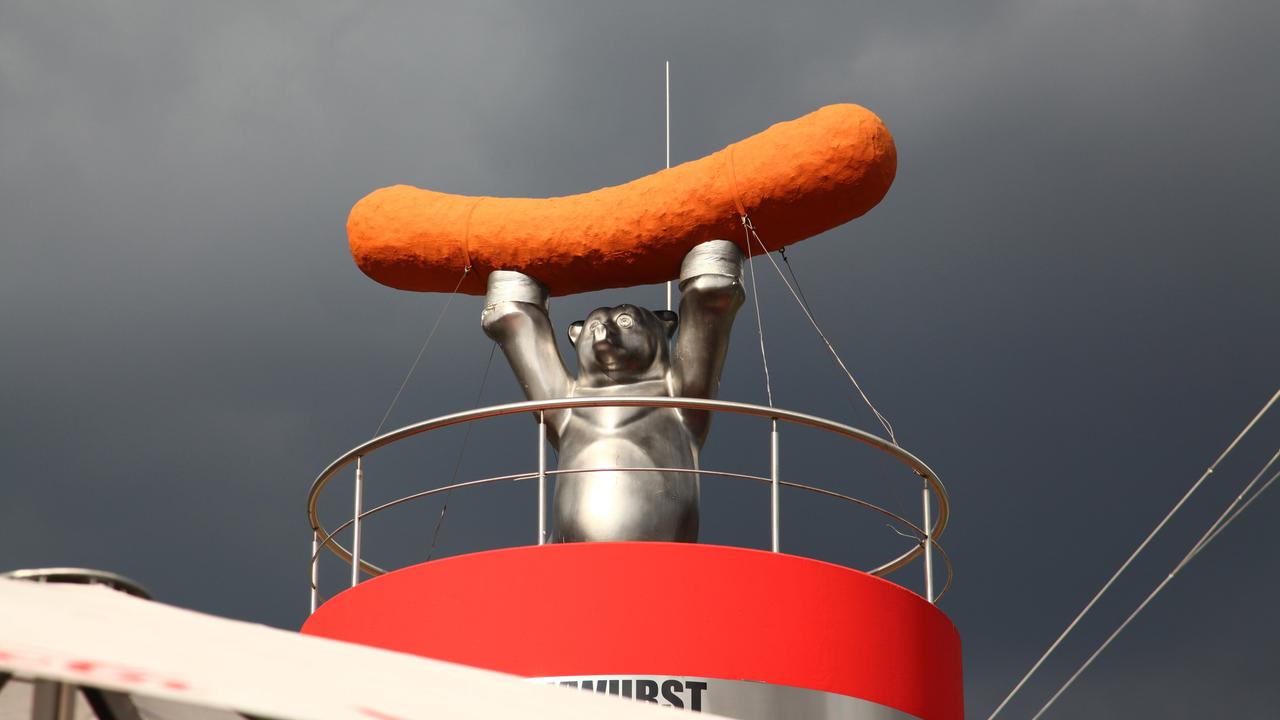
{"x":928,"y":542}
{"x":668,"y":107}
{"x":315,"y":570}
{"x":542,"y":478}
{"x":668,"y":99}
{"x":355,"y":523}
{"x":774,"y":487}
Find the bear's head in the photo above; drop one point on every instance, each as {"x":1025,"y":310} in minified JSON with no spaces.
{"x":623,"y":344}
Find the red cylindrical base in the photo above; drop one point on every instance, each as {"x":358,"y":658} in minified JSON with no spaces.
{"x":639,"y":612}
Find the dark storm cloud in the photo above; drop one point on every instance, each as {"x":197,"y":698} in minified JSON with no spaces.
{"x":1067,"y":303}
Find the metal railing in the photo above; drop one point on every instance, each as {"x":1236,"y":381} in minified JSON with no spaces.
{"x":79,"y":576}
{"x":926,"y":533}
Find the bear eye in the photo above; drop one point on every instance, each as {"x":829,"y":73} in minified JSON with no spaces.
{"x":624,"y":321}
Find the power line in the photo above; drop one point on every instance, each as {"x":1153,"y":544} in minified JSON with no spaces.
{"x":1240,"y":509}
{"x":1124,"y":566}
{"x":1214,"y":529}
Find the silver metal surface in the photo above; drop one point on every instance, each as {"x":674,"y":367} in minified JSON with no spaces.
{"x":773,"y":489}
{"x":542,"y":478}
{"x":914,"y":463}
{"x":917,"y":466}
{"x":355,"y":522}
{"x":742,"y":699}
{"x":667,"y":106}
{"x":928,"y":544}
{"x":624,"y":351}
{"x":53,"y":701}
{"x":81,"y":576}
{"x":879,"y":571}
{"x":315,"y":570}
{"x":510,"y":286}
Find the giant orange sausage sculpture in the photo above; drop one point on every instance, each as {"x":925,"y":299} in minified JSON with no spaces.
{"x":794,"y":180}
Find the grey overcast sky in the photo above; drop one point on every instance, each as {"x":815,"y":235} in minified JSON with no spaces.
{"x":1068,"y":303}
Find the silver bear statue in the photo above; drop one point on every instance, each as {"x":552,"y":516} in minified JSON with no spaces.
{"x":624,"y":350}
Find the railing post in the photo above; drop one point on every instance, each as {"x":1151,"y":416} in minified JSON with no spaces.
{"x":928,"y":542}
{"x":315,"y":570}
{"x":53,"y":700}
{"x":773,"y":489}
{"x":355,"y":523}
{"x":542,"y":477}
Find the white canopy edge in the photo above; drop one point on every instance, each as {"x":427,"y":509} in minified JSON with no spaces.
{"x":93,"y":636}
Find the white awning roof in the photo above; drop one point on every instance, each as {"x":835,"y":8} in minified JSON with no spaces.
{"x":143,"y":659}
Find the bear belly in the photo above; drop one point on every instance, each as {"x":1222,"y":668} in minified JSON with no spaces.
{"x":612,"y":504}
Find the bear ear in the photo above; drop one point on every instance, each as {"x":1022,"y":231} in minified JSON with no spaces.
{"x":670,"y":319}
{"x":575,"y":329}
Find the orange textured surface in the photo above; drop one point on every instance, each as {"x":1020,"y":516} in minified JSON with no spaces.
{"x":795,"y":180}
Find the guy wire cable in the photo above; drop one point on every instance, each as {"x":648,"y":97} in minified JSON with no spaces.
{"x":457,"y":465}
{"x":804,"y":307}
{"x":421,"y":350}
{"x":755,"y":298}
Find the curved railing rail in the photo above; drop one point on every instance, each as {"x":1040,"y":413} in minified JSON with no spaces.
{"x":79,"y":576}
{"x":926,"y":533}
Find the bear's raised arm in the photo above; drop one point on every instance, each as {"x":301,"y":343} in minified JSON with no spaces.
{"x":711,"y":293}
{"x":515,"y":317}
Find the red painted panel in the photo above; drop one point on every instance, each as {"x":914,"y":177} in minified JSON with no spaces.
{"x":664,"y":609}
